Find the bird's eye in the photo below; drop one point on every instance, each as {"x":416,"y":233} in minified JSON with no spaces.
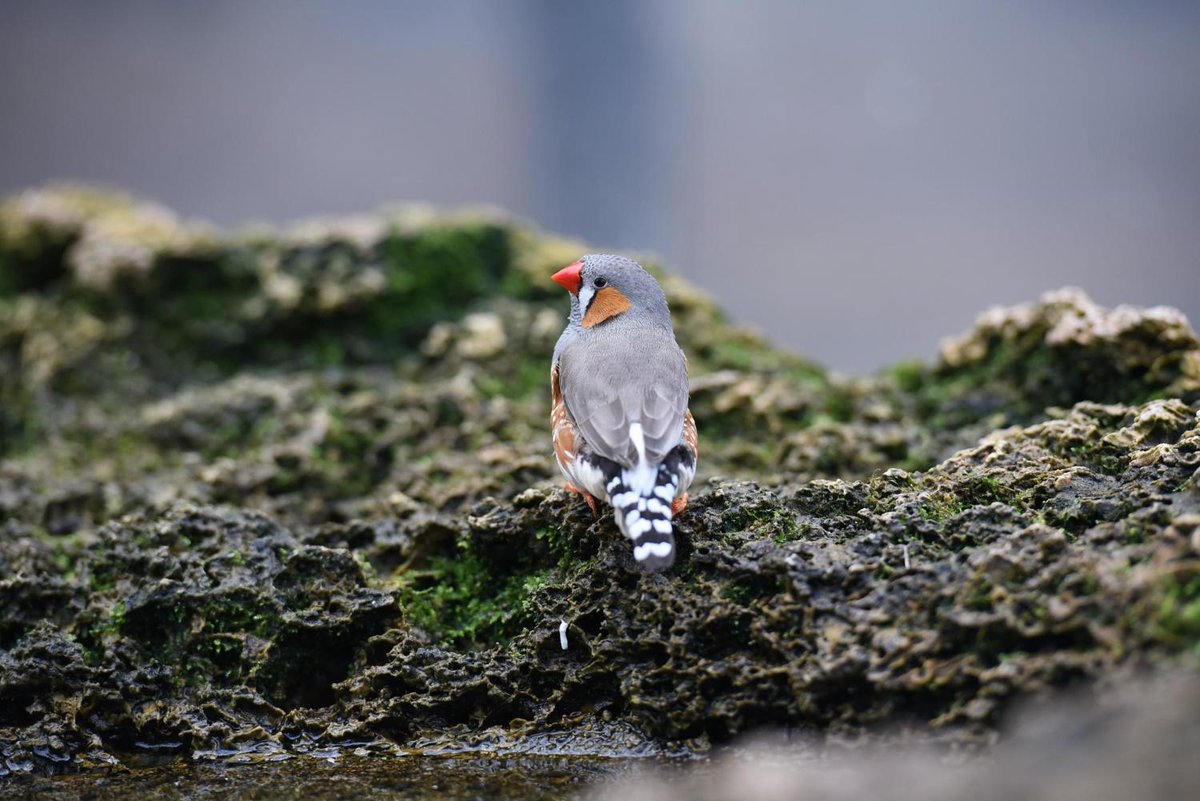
{"x":599,"y":282}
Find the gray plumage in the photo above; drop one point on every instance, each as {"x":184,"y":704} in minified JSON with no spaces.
{"x":621,"y":422}
{"x":628,"y":369}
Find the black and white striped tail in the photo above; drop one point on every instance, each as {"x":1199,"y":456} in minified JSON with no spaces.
{"x":644,"y":514}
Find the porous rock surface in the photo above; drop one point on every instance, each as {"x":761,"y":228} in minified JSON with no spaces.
{"x":291,"y":492}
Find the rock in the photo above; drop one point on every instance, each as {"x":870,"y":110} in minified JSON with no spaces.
{"x":98,"y":236}
{"x":283,"y":493}
{"x":1065,"y":349}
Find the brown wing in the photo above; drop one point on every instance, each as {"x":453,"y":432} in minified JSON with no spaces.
{"x":562,"y":427}
{"x":690,"y":437}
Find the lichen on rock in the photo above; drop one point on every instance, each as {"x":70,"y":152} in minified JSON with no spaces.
{"x":276,"y":493}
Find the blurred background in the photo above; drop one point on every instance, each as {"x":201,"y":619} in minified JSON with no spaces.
{"x":856,"y":180}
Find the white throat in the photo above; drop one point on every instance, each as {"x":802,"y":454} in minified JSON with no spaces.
{"x":586,"y":293}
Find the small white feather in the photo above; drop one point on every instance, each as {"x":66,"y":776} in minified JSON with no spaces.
{"x":625,"y":498}
{"x":585,"y":296}
{"x":638,"y":438}
{"x":641,"y":477}
{"x":656,"y":506}
{"x":648,"y":549}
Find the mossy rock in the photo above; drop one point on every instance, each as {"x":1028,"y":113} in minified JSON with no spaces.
{"x":279,"y":492}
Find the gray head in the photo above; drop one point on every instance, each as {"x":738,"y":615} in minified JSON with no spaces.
{"x":607,"y":288}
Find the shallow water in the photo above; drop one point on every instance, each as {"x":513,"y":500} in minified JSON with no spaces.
{"x":456,"y":778}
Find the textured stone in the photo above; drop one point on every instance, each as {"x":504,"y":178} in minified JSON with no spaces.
{"x":293,"y":493}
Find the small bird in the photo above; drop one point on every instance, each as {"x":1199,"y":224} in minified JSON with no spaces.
{"x":619,"y":389}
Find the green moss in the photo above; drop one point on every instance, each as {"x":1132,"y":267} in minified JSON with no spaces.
{"x":213,"y":658}
{"x":210,"y":314}
{"x":461,"y":601}
{"x":909,"y":376}
{"x":196,"y":642}
{"x":766,"y":518}
{"x":327,"y":350}
{"x":940,"y":507}
{"x":561,"y":541}
{"x":529,"y":377}
{"x":839,"y":405}
{"x":977,"y":595}
{"x":341,"y":458}
{"x":184,"y":309}
{"x":239,"y":613}
{"x":65,"y":551}
{"x":434,"y":275}
{"x":31,"y":260}
{"x":733,"y":355}
{"x":981,"y":490}
{"x":115,"y":620}
{"x":19,"y":416}
{"x":102,"y":576}
{"x":1099,"y":458}
{"x":1177,"y":619}
{"x":749,"y":590}
{"x":19,"y":428}
{"x":8,"y":283}
{"x":735,"y":349}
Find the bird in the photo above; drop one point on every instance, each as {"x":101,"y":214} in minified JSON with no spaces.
{"x":622,"y":430}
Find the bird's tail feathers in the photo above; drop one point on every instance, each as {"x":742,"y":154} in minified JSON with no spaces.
{"x":645,"y":515}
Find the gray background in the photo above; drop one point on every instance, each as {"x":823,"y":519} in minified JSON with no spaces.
{"x":857,"y":180}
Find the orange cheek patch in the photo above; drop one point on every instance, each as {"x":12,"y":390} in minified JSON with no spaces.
{"x":607,"y":304}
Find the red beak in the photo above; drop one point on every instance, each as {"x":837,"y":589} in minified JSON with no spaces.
{"x":568,"y":277}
